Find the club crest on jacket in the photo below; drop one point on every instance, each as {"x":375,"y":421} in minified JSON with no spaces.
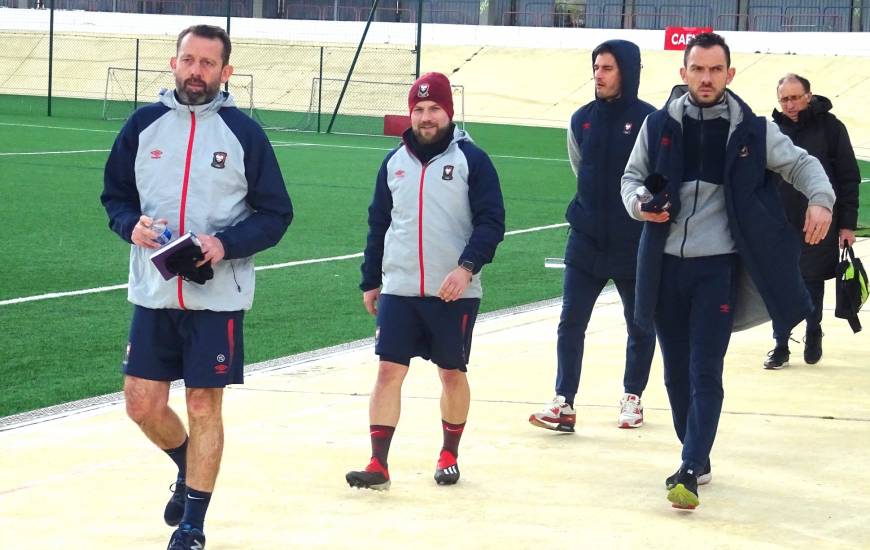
{"x":219,"y":159}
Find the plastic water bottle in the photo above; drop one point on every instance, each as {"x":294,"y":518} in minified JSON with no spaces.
{"x":643,"y":194}
{"x":164,"y":235}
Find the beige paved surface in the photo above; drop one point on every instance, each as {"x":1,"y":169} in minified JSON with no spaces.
{"x":789,"y":464}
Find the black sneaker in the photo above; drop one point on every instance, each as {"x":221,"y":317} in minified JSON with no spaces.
{"x":186,"y":537}
{"x":704,"y":477}
{"x":777,"y":358}
{"x":447,"y":470}
{"x":175,"y":507}
{"x":813,"y":347}
{"x":684,"y":493}
{"x":375,"y":476}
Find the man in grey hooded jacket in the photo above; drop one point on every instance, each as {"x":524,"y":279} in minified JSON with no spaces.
{"x":193,"y":162}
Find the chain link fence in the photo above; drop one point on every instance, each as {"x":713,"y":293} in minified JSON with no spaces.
{"x":279,"y":83}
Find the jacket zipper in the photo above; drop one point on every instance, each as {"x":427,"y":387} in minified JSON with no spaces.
{"x":420,"y":231}
{"x":184,"y":195}
{"x":697,"y":183}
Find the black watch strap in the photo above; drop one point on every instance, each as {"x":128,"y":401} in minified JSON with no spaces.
{"x":467,"y":265}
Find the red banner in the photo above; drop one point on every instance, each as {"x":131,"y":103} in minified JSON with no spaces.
{"x":676,"y":38}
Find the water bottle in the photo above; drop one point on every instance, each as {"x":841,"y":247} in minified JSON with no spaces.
{"x":643,"y":194}
{"x":164,"y":235}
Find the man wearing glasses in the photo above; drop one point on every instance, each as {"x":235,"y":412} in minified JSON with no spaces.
{"x":807,"y":120}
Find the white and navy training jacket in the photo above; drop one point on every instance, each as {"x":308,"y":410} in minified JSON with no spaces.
{"x":425,"y":219}
{"x":208,"y":169}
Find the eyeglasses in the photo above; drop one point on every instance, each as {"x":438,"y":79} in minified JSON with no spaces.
{"x":792,"y":98}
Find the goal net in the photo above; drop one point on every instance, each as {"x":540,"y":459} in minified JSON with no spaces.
{"x":127,"y":89}
{"x":365,"y":105}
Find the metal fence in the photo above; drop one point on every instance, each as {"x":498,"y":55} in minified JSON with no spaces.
{"x":94,"y":75}
{"x":754,"y":15}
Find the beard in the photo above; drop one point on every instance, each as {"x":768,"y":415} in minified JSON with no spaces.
{"x":704,"y":104}
{"x":425,"y":139}
{"x":201,"y":96}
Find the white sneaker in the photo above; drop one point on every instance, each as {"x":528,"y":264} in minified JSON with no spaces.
{"x":557,"y":415}
{"x":630,"y":412}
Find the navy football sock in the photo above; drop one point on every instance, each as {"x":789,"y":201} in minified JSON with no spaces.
{"x":179,"y":456}
{"x":195,"y":507}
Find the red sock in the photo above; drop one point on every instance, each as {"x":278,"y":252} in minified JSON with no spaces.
{"x":452,"y":434}
{"x":381,"y":438}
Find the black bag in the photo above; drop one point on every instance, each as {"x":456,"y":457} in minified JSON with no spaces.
{"x":851,"y":286}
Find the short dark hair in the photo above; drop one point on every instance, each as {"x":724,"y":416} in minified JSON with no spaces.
{"x":707,"y":40}
{"x":602,"y":48}
{"x":211,"y":32}
{"x":796,"y":78}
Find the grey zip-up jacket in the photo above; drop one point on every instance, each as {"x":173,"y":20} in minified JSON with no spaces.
{"x":208,"y":169}
{"x":700,"y":228}
{"x":425,"y":219}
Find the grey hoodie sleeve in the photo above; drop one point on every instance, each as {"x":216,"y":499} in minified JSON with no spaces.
{"x":799,"y":168}
{"x":573,"y":151}
{"x":636,"y":172}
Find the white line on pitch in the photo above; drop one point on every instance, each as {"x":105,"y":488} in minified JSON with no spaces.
{"x":54,"y":152}
{"x":57,"y":127}
{"x":96,"y":290}
{"x":364,"y":148}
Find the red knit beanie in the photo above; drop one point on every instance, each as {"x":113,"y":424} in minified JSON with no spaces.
{"x":432,"y":87}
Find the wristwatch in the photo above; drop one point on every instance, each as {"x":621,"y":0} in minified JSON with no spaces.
{"x":467,"y":265}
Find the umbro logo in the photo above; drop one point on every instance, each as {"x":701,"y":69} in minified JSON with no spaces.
{"x":156,"y":154}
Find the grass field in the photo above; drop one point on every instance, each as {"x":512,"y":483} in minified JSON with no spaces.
{"x":56,"y":239}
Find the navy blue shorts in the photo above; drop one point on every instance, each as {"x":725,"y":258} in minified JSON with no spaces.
{"x":203,"y":347}
{"x":425,"y":327}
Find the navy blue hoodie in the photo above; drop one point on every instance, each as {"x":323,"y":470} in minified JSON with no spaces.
{"x":600,"y":139}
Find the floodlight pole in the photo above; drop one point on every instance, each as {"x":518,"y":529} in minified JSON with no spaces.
{"x":229,"y":18}
{"x":352,"y":65}
{"x":50,"y":51}
{"x":419,"y":35}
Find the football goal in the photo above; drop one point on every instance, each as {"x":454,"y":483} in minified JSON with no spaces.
{"x":127,"y":89}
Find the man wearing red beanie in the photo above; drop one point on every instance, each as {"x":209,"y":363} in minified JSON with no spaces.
{"x":435,"y":220}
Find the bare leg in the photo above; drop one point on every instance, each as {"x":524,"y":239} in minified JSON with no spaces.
{"x":148,"y":406}
{"x":386,"y":401}
{"x":206,"y":437}
{"x":455,"y":396}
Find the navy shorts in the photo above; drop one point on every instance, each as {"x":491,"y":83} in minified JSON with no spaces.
{"x":425,"y":327}
{"x":203,"y":347}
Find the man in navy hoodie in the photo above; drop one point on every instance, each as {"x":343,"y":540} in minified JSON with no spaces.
{"x":715,"y":217}
{"x":435,"y":220}
{"x":602,"y":243}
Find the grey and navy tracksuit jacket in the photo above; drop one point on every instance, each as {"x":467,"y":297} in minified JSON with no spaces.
{"x":426,"y":218}
{"x":723,"y":201}
{"x":208,"y":169}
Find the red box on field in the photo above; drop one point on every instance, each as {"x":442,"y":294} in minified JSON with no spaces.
{"x":676,"y":38}
{"x":395,"y":125}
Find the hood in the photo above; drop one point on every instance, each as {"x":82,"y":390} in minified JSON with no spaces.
{"x":627,"y":56}
{"x":819,"y":105}
{"x":223,"y":99}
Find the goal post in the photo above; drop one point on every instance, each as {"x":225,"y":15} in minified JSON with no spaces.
{"x":126,"y":89}
{"x":366,"y":105}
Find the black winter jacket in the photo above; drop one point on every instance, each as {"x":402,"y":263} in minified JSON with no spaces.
{"x":824,"y":137}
